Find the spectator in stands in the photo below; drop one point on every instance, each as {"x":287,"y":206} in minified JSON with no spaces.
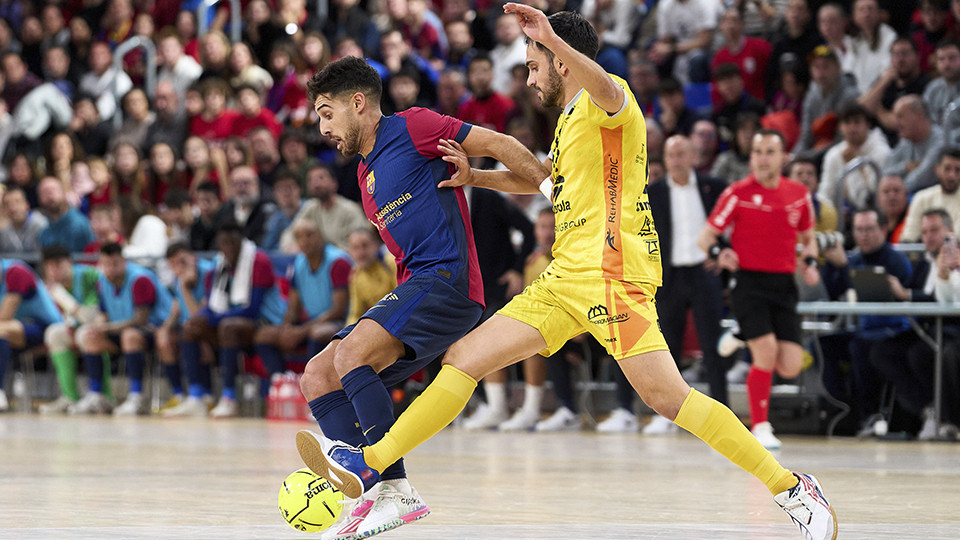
{"x":106,"y":226}
{"x":860,"y":140}
{"x":644,"y":81}
{"x":892,"y":204}
{"x":44,"y":108}
{"x":486,"y":107}
{"x":734,"y":163}
{"x":266,"y":154}
{"x":21,"y":173}
{"x":318,"y":289}
{"x":374,"y":272}
{"x":189,"y":291}
{"x":732,"y":101}
{"x":81,"y":38}
{"x":510,"y":50}
{"x":21,"y":233}
{"x":905,"y":361}
{"x":245,"y":206}
{"x":675,"y":117}
{"x":128,"y":170}
{"x":68,"y":227}
{"x":175,"y":66}
{"x":869,"y":52}
{"x":420,"y":27}
{"x":134,"y":304}
{"x":170,"y":124}
{"x":245,"y":72}
{"x":214,"y":49}
{"x":944,"y":195}
{"x":348,"y":19}
{"x":915,"y":156}
{"x":684,"y":35}
{"x":216,"y":121}
{"x":62,"y":152}
{"x":56,"y":70}
{"x":146,"y":233}
{"x":846,"y":354}
{"x":336,"y":216}
{"x":27,"y":312}
{"x":462,"y":50}
{"x":104,"y":188}
{"x":55,"y":31}
{"x":829,"y":91}
{"x":238,"y":154}
{"x":943,"y":90}
{"x":680,"y":207}
{"x":205,"y":165}
{"x":615,"y":22}
{"x":832,"y":22}
{"x":88,"y":128}
{"x":163,"y":174}
{"x":451,"y":92}
{"x":186,"y":25}
{"x":103,"y":81}
{"x":315,"y":51}
{"x":934,"y":18}
{"x":242,"y":293}
{"x":804,"y":170}
{"x":705,"y":141}
{"x":252,"y":114}
{"x":283,"y":71}
{"x":294,"y":149}
{"x":403,"y":92}
{"x":211,"y":213}
{"x":793,"y":44}
{"x":73,"y":287}
{"x":762,"y":252}
{"x":18,"y":80}
{"x":177,"y":214}
{"x":286,"y":191}
{"x":903,"y":76}
{"x":750,"y":55}
{"x":137,"y":119}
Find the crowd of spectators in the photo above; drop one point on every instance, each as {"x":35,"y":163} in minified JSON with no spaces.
{"x":864,"y":91}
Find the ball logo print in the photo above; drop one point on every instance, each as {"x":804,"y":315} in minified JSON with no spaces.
{"x":308,"y":502}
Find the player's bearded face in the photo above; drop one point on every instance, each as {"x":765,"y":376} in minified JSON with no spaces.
{"x":551,"y":93}
{"x":351,"y":138}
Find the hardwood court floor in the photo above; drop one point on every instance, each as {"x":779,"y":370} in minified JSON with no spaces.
{"x":70,"y":478}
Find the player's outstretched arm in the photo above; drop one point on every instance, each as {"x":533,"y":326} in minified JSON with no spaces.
{"x":607,"y":94}
{"x":524,"y":174}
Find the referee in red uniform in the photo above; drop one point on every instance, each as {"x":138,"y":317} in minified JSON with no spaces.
{"x":767,"y":214}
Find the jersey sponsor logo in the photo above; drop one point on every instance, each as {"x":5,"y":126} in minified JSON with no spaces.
{"x":647,"y":228}
{"x":387,"y":213}
{"x":371,"y":183}
{"x":611,"y":240}
{"x":652,"y":247}
{"x":599,"y":314}
{"x":561,"y":206}
{"x":613,"y":190}
{"x":557,"y":187}
{"x":567,"y":225}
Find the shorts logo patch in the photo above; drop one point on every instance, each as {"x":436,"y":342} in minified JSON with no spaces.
{"x":600,"y":315}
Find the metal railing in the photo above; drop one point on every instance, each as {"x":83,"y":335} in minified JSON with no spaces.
{"x":235,"y":26}
{"x":150,"y":78}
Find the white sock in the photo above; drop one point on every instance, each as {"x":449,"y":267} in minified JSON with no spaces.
{"x":496,"y":396}
{"x":532,"y":398}
{"x":400,"y":484}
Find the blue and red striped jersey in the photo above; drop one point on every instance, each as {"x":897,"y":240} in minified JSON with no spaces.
{"x":426,"y":228}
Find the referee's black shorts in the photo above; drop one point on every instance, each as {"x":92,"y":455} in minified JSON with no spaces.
{"x":766,"y":303}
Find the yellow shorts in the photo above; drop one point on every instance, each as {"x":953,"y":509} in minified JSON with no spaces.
{"x":619,"y":314}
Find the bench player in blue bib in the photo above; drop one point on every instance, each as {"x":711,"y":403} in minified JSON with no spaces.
{"x":26,"y":310}
{"x":440,"y":295}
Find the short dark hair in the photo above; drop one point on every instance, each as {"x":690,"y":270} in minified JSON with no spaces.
{"x":285,"y":175}
{"x":727,"y":70}
{"x":952,"y":152}
{"x":111,"y":249}
{"x":852,"y":111}
{"x":209,"y":187}
{"x":346,"y":75}
{"x":669,"y":85}
{"x":175,"y":198}
{"x":881,"y":217}
{"x":944,"y":215}
{"x":803,"y":161}
{"x":480,"y":57}
{"x":576,"y":31}
{"x":773,"y":133}
{"x":229,"y":226}
{"x":294,"y":134}
{"x":177,"y":248}
{"x":54,"y":252}
{"x":947,"y":43}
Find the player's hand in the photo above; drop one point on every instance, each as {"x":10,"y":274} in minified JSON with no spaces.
{"x":811,"y":275}
{"x":514,"y":282}
{"x":898,"y":290}
{"x":835,"y":255}
{"x":457,"y":156}
{"x":533,"y":22}
{"x":728,"y":260}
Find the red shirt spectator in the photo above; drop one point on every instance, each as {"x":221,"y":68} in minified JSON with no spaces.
{"x":751,"y":55}
{"x":490,"y":112}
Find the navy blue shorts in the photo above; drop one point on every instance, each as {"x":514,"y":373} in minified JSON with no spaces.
{"x":34,"y":333}
{"x":149,"y":333}
{"x":427,"y":315}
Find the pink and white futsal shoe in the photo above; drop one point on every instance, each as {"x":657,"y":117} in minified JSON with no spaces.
{"x":392,"y":509}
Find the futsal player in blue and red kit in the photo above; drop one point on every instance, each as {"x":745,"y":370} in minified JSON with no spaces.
{"x":439,"y":297}
{"x":26,"y":310}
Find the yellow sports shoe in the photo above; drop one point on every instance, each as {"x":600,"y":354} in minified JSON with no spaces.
{"x":172,"y":402}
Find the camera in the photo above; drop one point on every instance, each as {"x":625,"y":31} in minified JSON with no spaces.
{"x":827,"y":240}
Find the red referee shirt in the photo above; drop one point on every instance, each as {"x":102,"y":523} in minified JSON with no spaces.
{"x":765,"y":222}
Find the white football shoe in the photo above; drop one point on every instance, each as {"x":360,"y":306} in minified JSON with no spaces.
{"x":764,"y":434}
{"x":226,"y":408}
{"x":620,"y":421}
{"x":562,"y":420}
{"x":57,"y":406}
{"x":394,"y":507}
{"x":659,"y":425}
{"x":132,"y":406}
{"x":485,"y":417}
{"x":91,"y":403}
{"x":353,"y":514}
{"x":191,"y":407}
{"x":809,"y":509}
{"x":521,"y":420}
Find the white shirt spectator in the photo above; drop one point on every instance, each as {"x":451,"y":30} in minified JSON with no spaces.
{"x":865,"y":64}
{"x":184,"y":73}
{"x":683,"y":20}
{"x":861,"y":186}
{"x":619,"y":22}
{"x":686,"y":210}
{"x":504,"y":57}
{"x":103,"y":89}
{"x":928,"y":199}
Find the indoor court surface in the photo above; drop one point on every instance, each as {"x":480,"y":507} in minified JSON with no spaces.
{"x":100,"y":477}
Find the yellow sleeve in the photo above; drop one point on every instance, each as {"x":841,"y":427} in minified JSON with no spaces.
{"x":628,"y":113}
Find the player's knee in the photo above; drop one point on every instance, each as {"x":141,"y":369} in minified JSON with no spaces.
{"x":57,"y":337}
{"x":350,"y":355}
{"x":319,"y":378}
{"x":132,"y":339}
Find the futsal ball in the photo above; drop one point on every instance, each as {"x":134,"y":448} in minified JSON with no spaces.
{"x":308,"y":502}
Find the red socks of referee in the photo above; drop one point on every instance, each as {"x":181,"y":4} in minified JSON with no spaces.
{"x":758,"y":394}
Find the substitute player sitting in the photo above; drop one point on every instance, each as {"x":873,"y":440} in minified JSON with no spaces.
{"x":440,"y":296}
{"x":602,"y":280}
{"x":317,"y":303}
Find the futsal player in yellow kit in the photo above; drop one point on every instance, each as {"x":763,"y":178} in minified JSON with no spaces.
{"x":603,"y":278}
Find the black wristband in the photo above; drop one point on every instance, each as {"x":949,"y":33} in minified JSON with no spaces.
{"x":811,"y":261}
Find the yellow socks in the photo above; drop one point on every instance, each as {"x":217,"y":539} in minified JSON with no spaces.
{"x":436,"y":407}
{"x":717,"y":426}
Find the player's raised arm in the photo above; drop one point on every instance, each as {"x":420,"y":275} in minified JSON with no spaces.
{"x":606,"y":93}
{"x":524,"y":172}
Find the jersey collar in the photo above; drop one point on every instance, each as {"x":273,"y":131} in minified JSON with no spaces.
{"x":568,"y":108}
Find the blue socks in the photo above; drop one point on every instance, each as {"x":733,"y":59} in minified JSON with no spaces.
{"x":190,"y":354}
{"x":272,"y":360}
{"x":93,"y":365}
{"x":5,"y":353}
{"x":135,"y":362}
{"x":174,"y":377}
{"x":337,"y":418}
{"x":228,"y":367}
{"x":374,"y":409}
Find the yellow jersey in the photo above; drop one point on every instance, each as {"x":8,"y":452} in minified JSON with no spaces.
{"x":604,"y":227}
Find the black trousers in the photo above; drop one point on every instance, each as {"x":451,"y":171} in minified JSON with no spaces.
{"x":693,"y":287}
